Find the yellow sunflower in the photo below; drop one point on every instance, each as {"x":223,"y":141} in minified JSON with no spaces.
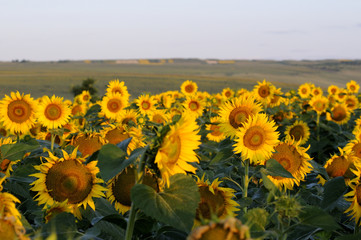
{"x":159,"y":116}
{"x":7,"y":204}
{"x":167,"y":100}
{"x":189,"y":87}
{"x":299,"y":131}
{"x":52,"y":112}
{"x":339,"y":114}
{"x":215,"y":200}
{"x":352,"y":86}
{"x":84,"y":97}
{"x":351,"y":102}
{"x":119,"y":187}
{"x":295,"y":160}
{"x":257,"y":139}
{"x":276,"y":99}
{"x":11,"y":229}
{"x":317,"y":91}
{"x":264,"y":91}
{"x":78,"y":109}
{"x":354,"y":148}
{"x":177,"y":150}
{"x":357,"y":133}
{"x":236,"y":112}
{"x":17,"y":112}
{"x":193,"y":106}
{"x":145,"y":104}
{"x":319,"y":104}
{"x":67,"y":178}
{"x":227,"y":93}
{"x":88,"y":143}
{"x":341,"y":95}
{"x":113,"y":104}
{"x":354,"y":196}
{"x":58,"y":207}
{"x":115,"y":86}
{"x":333,"y":90}
{"x":304,"y":90}
{"x":128,"y":117}
{"x":215,"y":133}
{"x":4,"y":132}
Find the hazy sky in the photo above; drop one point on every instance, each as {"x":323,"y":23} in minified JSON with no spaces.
{"x":226,"y":29}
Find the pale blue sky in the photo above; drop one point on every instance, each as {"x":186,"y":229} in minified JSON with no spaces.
{"x":226,"y":29}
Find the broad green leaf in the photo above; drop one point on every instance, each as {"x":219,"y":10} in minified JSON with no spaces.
{"x":266,"y":181}
{"x":316,"y":217}
{"x":274,"y":168}
{"x":350,"y":237}
{"x":334,"y":189}
{"x":16,"y":151}
{"x":111,"y":161}
{"x":222,"y":155}
{"x":175,"y":206}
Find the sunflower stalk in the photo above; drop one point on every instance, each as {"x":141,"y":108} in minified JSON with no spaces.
{"x":52,"y":139}
{"x":245,"y":181}
{"x":318,"y":127}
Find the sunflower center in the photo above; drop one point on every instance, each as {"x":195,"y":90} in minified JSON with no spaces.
{"x":350,"y":103}
{"x":193,"y":105}
{"x":19,"y":111}
{"x":304,"y":90}
{"x":333,"y":91}
{"x":264,"y":91}
{"x":352,"y":88}
{"x":210,"y":203}
{"x":114,"y":105}
{"x":86,"y":97}
{"x":189,"y":88}
{"x":319,"y":106}
{"x":357,"y":150}
{"x":52,"y":112}
{"x":215,"y":130}
{"x":227,"y":94}
{"x":288,"y":157}
{"x":339,"y":113}
{"x":69,"y":180}
{"x":285,"y":162}
{"x":145,"y":105}
{"x":297,"y":132}
{"x":254,"y":137}
{"x":238,"y":116}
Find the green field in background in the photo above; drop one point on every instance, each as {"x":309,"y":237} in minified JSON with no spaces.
{"x":48,"y":78}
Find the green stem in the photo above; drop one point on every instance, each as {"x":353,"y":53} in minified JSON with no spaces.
{"x":318,"y":127}
{"x":52,"y":139}
{"x":17,"y":137}
{"x":245,"y":181}
{"x":133,"y":209}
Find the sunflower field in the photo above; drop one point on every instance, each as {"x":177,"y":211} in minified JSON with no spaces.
{"x":239,"y":164}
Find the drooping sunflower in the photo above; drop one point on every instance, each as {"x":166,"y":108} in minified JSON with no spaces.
{"x":113,"y":104}
{"x":257,"y":139}
{"x":236,"y":112}
{"x":215,"y":200}
{"x":295,"y":160}
{"x":263,"y":91}
{"x":215,"y":133}
{"x":353,"y":147}
{"x":53,"y":112}
{"x":67,"y":179}
{"x":339,"y":114}
{"x":145,"y":103}
{"x":115,"y":86}
{"x":189,"y":87}
{"x":17,"y":112}
{"x":177,"y":150}
{"x":319,"y":104}
{"x":119,"y":187}
{"x":304,"y":90}
{"x":333,"y":90}
{"x":88,"y":143}
{"x":354,"y":196}
{"x":299,"y":131}
{"x":352,"y":86}
{"x":193,"y":106}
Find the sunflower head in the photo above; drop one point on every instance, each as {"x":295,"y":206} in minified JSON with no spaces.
{"x":352,"y":86}
{"x":333,"y":90}
{"x":317,"y":91}
{"x":304,"y":90}
{"x":84,"y":97}
{"x":115,"y":86}
{"x":215,"y":133}
{"x":351,"y":102}
{"x":189,"y":87}
{"x":299,"y":131}
{"x":354,"y":196}
{"x":53,"y":112}
{"x":11,"y":229}
{"x":113,"y":104}
{"x":343,"y":164}
{"x":193,"y":106}
{"x":227,"y":93}
{"x":339,"y":114}
{"x":319,"y":104}
{"x":353,"y":147}
{"x":145,"y":103}
{"x":264,"y":91}
{"x":88,"y":143}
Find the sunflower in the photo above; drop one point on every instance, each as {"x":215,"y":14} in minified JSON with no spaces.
{"x":112,"y":105}
{"x":3,"y":131}
{"x":352,"y":86}
{"x":333,"y":90}
{"x":67,"y":178}
{"x":227,"y":93}
{"x":357,"y":132}
{"x":215,"y":133}
{"x":56,"y":208}
{"x":341,"y":95}
{"x":342,"y":165}
{"x":177,"y":149}
{"x":354,"y":196}
{"x":11,"y":229}
{"x":354,"y":148}
{"x":7,"y":204}
{"x":295,"y":160}
{"x":257,"y":139}
{"x":167,"y":100}
{"x":84,"y":97}
{"x":339,"y":114}
{"x":119,"y":187}
{"x":319,"y":104}
{"x":264,"y":91}
{"x":317,"y":91}
{"x":304,"y":90}
{"x":145,"y":104}
{"x":215,"y":200}
{"x":236,"y":112}
{"x":78,"y":109}
{"x":351,"y":102}
{"x":299,"y":131}
{"x":193,"y":106}
{"x":115,"y":86}
{"x":189,"y":87}
{"x":87,"y":143}
{"x":228,"y":229}
{"x":276,"y":99}
{"x":159,"y":116}
{"x":17,"y":112}
{"x":52,"y":112}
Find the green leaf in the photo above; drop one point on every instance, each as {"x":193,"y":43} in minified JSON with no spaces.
{"x":222,"y":155}
{"x":175,"y":206}
{"x":111,"y":161}
{"x":274,"y":168}
{"x":16,"y":151}
{"x":124,"y":144}
{"x":316,"y":217}
{"x":350,"y":237}
{"x":333,"y":190}
{"x":266,"y":181}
